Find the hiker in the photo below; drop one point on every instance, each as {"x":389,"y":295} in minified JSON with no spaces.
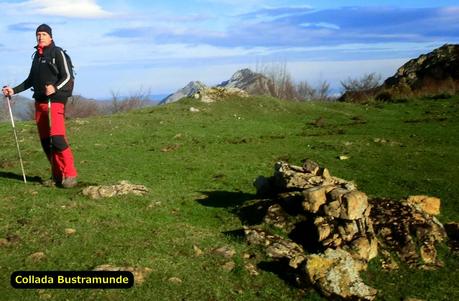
{"x":51,"y":78}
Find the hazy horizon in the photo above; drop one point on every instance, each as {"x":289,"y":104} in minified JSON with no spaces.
{"x":126,"y":46}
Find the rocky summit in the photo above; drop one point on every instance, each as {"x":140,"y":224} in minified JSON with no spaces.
{"x":243,"y":83}
{"x":189,"y":90}
{"x":252,"y":82}
{"x":431,"y":72}
{"x":435,"y":74}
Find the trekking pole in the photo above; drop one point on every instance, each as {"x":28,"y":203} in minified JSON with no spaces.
{"x":8,"y":99}
{"x":50,"y":139}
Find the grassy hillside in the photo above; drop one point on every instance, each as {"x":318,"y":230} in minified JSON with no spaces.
{"x":199,"y":168}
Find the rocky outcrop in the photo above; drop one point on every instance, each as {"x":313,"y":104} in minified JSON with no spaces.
{"x":331,"y":230}
{"x":218,"y":93}
{"x":189,"y":90}
{"x":251,"y":82}
{"x":435,"y":74}
{"x":430,"y":72}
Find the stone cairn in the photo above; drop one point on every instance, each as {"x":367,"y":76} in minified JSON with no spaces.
{"x":332,"y":229}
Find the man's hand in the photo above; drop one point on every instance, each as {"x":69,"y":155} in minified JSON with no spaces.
{"x":50,"y":90}
{"x":8,"y":91}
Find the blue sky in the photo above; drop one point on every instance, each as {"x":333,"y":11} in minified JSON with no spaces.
{"x":127,"y":46}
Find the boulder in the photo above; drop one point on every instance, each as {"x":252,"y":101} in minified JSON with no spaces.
{"x":354,"y":205}
{"x":336,"y":274}
{"x":314,"y":198}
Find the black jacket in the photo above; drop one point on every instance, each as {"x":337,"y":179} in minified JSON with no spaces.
{"x":51,"y":68}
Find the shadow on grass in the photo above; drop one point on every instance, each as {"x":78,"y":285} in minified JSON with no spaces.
{"x":19,"y":177}
{"x":282,"y":269}
{"x":225,"y":199}
{"x":246,"y":206}
{"x":251,"y":211}
{"x":235,"y":234}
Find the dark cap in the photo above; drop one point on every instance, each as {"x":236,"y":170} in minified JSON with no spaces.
{"x":44,"y":28}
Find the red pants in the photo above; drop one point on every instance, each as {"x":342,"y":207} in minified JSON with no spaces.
{"x":54,"y":140}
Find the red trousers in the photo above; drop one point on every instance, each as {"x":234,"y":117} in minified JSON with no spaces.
{"x":53,"y":139}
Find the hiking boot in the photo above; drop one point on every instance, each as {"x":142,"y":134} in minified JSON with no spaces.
{"x":69,"y":182}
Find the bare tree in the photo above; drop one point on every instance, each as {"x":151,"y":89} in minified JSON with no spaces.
{"x":135,"y":100}
{"x":78,"y":107}
{"x":115,"y":105}
{"x":283,"y":86}
{"x":366,"y":82}
{"x":323,"y":91}
{"x":306,"y":92}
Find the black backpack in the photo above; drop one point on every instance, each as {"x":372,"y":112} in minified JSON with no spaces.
{"x":68,"y":87}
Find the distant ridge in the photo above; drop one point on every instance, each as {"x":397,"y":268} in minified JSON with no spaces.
{"x":245,"y":79}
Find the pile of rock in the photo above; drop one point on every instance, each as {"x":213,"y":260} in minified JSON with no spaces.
{"x":336,"y":212}
{"x":332,"y":229}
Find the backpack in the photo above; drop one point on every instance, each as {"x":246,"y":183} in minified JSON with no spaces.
{"x":68,"y":87}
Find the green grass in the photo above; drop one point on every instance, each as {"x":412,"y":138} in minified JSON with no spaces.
{"x":196,"y":187}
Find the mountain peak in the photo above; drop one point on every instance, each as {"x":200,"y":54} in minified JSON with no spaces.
{"x":190,"y":89}
{"x":245,"y":79}
{"x":252,"y":82}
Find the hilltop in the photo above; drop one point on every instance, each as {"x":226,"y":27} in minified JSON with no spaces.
{"x":199,"y":167}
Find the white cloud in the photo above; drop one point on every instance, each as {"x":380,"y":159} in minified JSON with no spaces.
{"x":61,"y":8}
